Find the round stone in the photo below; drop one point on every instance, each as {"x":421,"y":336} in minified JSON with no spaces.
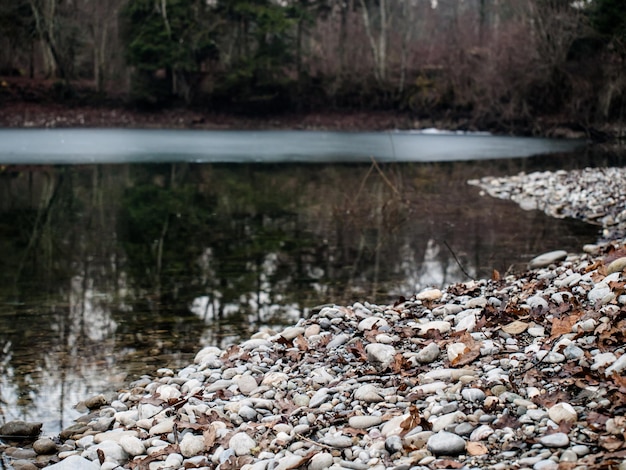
{"x":132,"y":445}
{"x":559,"y":439}
{"x":380,"y":353}
{"x":364,"y":422}
{"x":563,"y":412}
{"x":546,"y":259}
{"x":44,"y":446}
{"x":321,"y":461}
{"x":473,"y":394}
{"x":241,"y":443}
{"x":446,"y":443}
{"x":428,"y":354}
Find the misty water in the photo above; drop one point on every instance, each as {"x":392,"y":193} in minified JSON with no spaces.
{"x":176,"y":240}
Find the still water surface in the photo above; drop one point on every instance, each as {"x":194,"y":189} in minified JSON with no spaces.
{"x":112,"y":270}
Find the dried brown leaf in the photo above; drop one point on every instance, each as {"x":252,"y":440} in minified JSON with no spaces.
{"x":358,"y":350}
{"x":476,"y":448}
{"x":413,"y":420}
{"x":562,"y":326}
{"x":209,"y":435}
{"x":301,"y":343}
{"x":611,"y":443}
{"x":516,"y":327}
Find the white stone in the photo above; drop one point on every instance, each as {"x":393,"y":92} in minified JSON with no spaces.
{"x":617,"y":367}
{"x":241,"y":444}
{"x":75,"y":462}
{"x":245,"y":383}
{"x":321,"y":461}
{"x":446,"y":443}
{"x":275,"y":379}
{"x":319,"y":397}
{"x":559,"y":439}
{"x":380,"y":353}
{"x":364,"y":422}
{"x":563,"y":412}
{"x":368,"y":393}
{"x":438,"y":325}
{"x":292,"y":332}
{"x":111,"y":450}
{"x":455,"y":350}
{"x":547,"y":259}
{"x":164,"y":427}
{"x":603,"y":360}
{"x":428,"y":354}
{"x":191,"y":445}
{"x":289,"y":461}
{"x":132,"y":445}
{"x":430,"y":294}
{"x":370,"y":323}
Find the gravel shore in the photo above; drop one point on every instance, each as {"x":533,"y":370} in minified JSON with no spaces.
{"x":522,"y":371}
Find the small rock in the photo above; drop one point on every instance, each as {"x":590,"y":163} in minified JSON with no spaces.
{"x":428,"y":354}
{"x":368,"y":393}
{"x":289,"y":461}
{"x":93,"y":403}
{"x":559,"y":439}
{"x":563,"y":412}
{"x":321,"y":396}
{"x":429,"y":295}
{"x":380,"y":353}
{"x":338,"y":441}
{"x":21,"y":429}
{"x":603,"y":360}
{"x":241,"y":443}
{"x":321,"y":461}
{"x":44,"y":446}
{"x":446,"y":443}
{"x":292,"y":332}
{"x":393,"y":444}
{"x":473,"y":394}
{"x":364,"y":422}
{"x":192,"y":445}
{"x":616,"y":266}
{"x":132,"y":445}
{"x":546,"y":259}
{"x":75,"y":462}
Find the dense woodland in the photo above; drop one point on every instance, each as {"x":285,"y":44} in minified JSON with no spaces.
{"x":498,"y":63}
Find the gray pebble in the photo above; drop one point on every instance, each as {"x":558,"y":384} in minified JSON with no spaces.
{"x":558,"y":439}
{"x":446,"y":443}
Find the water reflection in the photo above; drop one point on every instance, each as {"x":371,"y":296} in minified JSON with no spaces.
{"x":111,"y":271}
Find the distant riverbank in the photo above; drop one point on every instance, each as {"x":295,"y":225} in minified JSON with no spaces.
{"x":19,"y":114}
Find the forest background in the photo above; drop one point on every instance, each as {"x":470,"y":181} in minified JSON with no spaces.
{"x":519,"y":66}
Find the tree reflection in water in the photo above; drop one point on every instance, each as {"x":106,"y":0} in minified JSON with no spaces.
{"x":112,"y":271}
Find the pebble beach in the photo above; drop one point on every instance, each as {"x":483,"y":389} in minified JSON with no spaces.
{"x":517,"y":371}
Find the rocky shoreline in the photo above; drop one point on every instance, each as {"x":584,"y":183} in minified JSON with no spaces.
{"x":519,"y":371}
{"x":50,"y":114}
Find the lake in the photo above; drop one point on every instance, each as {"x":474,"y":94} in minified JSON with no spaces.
{"x":127,"y":250}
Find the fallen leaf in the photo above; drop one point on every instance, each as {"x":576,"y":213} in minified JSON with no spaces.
{"x":562,"y":326}
{"x":301,"y":343}
{"x":611,"y":443}
{"x":209,"y":437}
{"x":476,"y":448}
{"x":358,"y":350}
{"x":413,"y":420}
{"x":515,"y":328}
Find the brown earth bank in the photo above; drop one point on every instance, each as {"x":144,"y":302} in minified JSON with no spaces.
{"x":41,"y":104}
